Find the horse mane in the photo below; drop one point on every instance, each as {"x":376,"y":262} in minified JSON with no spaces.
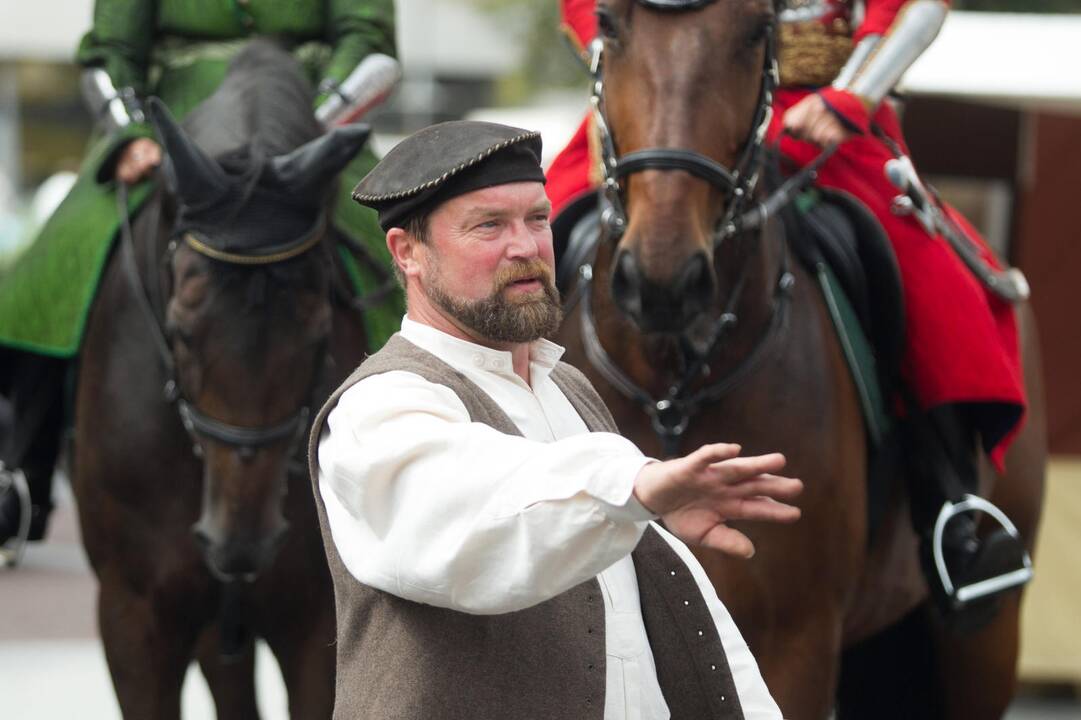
{"x":263,"y":107}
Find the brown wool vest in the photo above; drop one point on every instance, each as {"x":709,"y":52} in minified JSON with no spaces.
{"x":401,"y":660}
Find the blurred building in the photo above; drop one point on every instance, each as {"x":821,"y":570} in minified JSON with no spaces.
{"x":452,"y":51}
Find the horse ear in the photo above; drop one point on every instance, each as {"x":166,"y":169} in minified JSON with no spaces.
{"x":313,"y":165}
{"x":195,"y":178}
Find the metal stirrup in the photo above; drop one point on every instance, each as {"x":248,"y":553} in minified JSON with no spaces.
{"x":11,"y":553}
{"x":988,"y":586}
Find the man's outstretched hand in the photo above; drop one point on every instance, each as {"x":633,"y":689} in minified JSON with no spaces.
{"x":696,"y":495}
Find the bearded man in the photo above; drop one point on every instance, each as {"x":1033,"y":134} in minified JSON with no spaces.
{"x":488,"y":532}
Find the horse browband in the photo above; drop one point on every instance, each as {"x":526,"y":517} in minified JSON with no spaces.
{"x":276,"y":254}
{"x":674,"y":4}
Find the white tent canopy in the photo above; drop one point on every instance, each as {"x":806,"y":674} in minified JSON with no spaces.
{"x":1003,"y":58}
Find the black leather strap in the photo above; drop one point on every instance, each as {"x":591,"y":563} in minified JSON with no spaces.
{"x":675,"y":4}
{"x":690,"y":161}
{"x":197,"y":423}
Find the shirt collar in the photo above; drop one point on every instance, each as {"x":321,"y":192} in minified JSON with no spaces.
{"x":465,"y":355}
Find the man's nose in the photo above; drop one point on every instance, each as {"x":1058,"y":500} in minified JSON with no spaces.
{"x":523,"y":241}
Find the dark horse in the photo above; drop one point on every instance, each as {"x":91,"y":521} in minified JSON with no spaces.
{"x":215,"y":329}
{"x":699,"y":299}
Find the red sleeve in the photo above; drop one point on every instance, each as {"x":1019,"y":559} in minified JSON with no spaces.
{"x":880,"y":16}
{"x":580,"y":20}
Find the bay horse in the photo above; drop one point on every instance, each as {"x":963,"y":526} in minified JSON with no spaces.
{"x":215,"y":329}
{"x":695,"y":322}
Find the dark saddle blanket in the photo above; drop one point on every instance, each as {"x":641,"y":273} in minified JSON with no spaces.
{"x":832,"y":228}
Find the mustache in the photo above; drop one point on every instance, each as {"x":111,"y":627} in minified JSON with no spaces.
{"x":534,"y":269}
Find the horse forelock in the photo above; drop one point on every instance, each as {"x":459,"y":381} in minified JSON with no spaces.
{"x":261,"y":110}
{"x":264,"y":104}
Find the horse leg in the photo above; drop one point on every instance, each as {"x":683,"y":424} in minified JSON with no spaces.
{"x":34,"y":387}
{"x":979,"y":670}
{"x":306,"y":655}
{"x":147,"y":656}
{"x":893,"y":674}
{"x":231,"y":680}
{"x":801,"y":668}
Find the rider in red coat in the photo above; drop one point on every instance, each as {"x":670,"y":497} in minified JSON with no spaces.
{"x":962,"y":359}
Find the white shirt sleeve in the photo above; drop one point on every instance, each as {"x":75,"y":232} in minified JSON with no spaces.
{"x":754,"y":696}
{"x":429,"y":506}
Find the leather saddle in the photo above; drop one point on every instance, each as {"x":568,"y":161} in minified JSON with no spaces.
{"x":833,"y":227}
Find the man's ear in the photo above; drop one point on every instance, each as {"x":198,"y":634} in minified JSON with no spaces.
{"x":404,"y":248}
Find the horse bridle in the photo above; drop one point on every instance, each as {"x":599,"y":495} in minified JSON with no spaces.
{"x":197,"y":424}
{"x":671,"y":414}
{"x":736,"y":184}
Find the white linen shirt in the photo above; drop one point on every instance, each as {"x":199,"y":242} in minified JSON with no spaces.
{"x":431,"y":507}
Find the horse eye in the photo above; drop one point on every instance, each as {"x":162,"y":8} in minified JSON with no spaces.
{"x":606,"y":25}
{"x":761,"y":31}
{"x":180,"y":334}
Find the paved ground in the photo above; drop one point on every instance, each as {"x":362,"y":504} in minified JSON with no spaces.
{"x":52,"y":666}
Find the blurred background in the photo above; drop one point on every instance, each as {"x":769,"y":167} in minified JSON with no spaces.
{"x":993,"y":115}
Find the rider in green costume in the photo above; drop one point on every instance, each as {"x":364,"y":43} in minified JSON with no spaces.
{"x":179,"y":51}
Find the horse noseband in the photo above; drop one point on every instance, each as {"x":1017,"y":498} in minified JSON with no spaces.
{"x":246,"y":439}
{"x":689,"y":161}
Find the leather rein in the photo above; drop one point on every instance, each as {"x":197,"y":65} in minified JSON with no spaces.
{"x":671,"y":414}
{"x":197,"y":424}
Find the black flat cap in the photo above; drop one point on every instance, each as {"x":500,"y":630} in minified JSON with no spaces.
{"x":443,"y":161}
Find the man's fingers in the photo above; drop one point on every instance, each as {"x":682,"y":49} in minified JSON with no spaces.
{"x":766,"y":485}
{"x":712,"y":454}
{"x":765,"y":509}
{"x":737,"y":469}
{"x":729,"y":541}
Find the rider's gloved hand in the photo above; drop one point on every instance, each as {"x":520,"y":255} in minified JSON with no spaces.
{"x":827,"y":117}
{"x":138,"y":160}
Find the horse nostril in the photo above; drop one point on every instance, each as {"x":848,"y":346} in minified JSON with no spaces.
{"x":627,"y":285}
{"x":695,"y":284}
{"x":202,"y":538}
